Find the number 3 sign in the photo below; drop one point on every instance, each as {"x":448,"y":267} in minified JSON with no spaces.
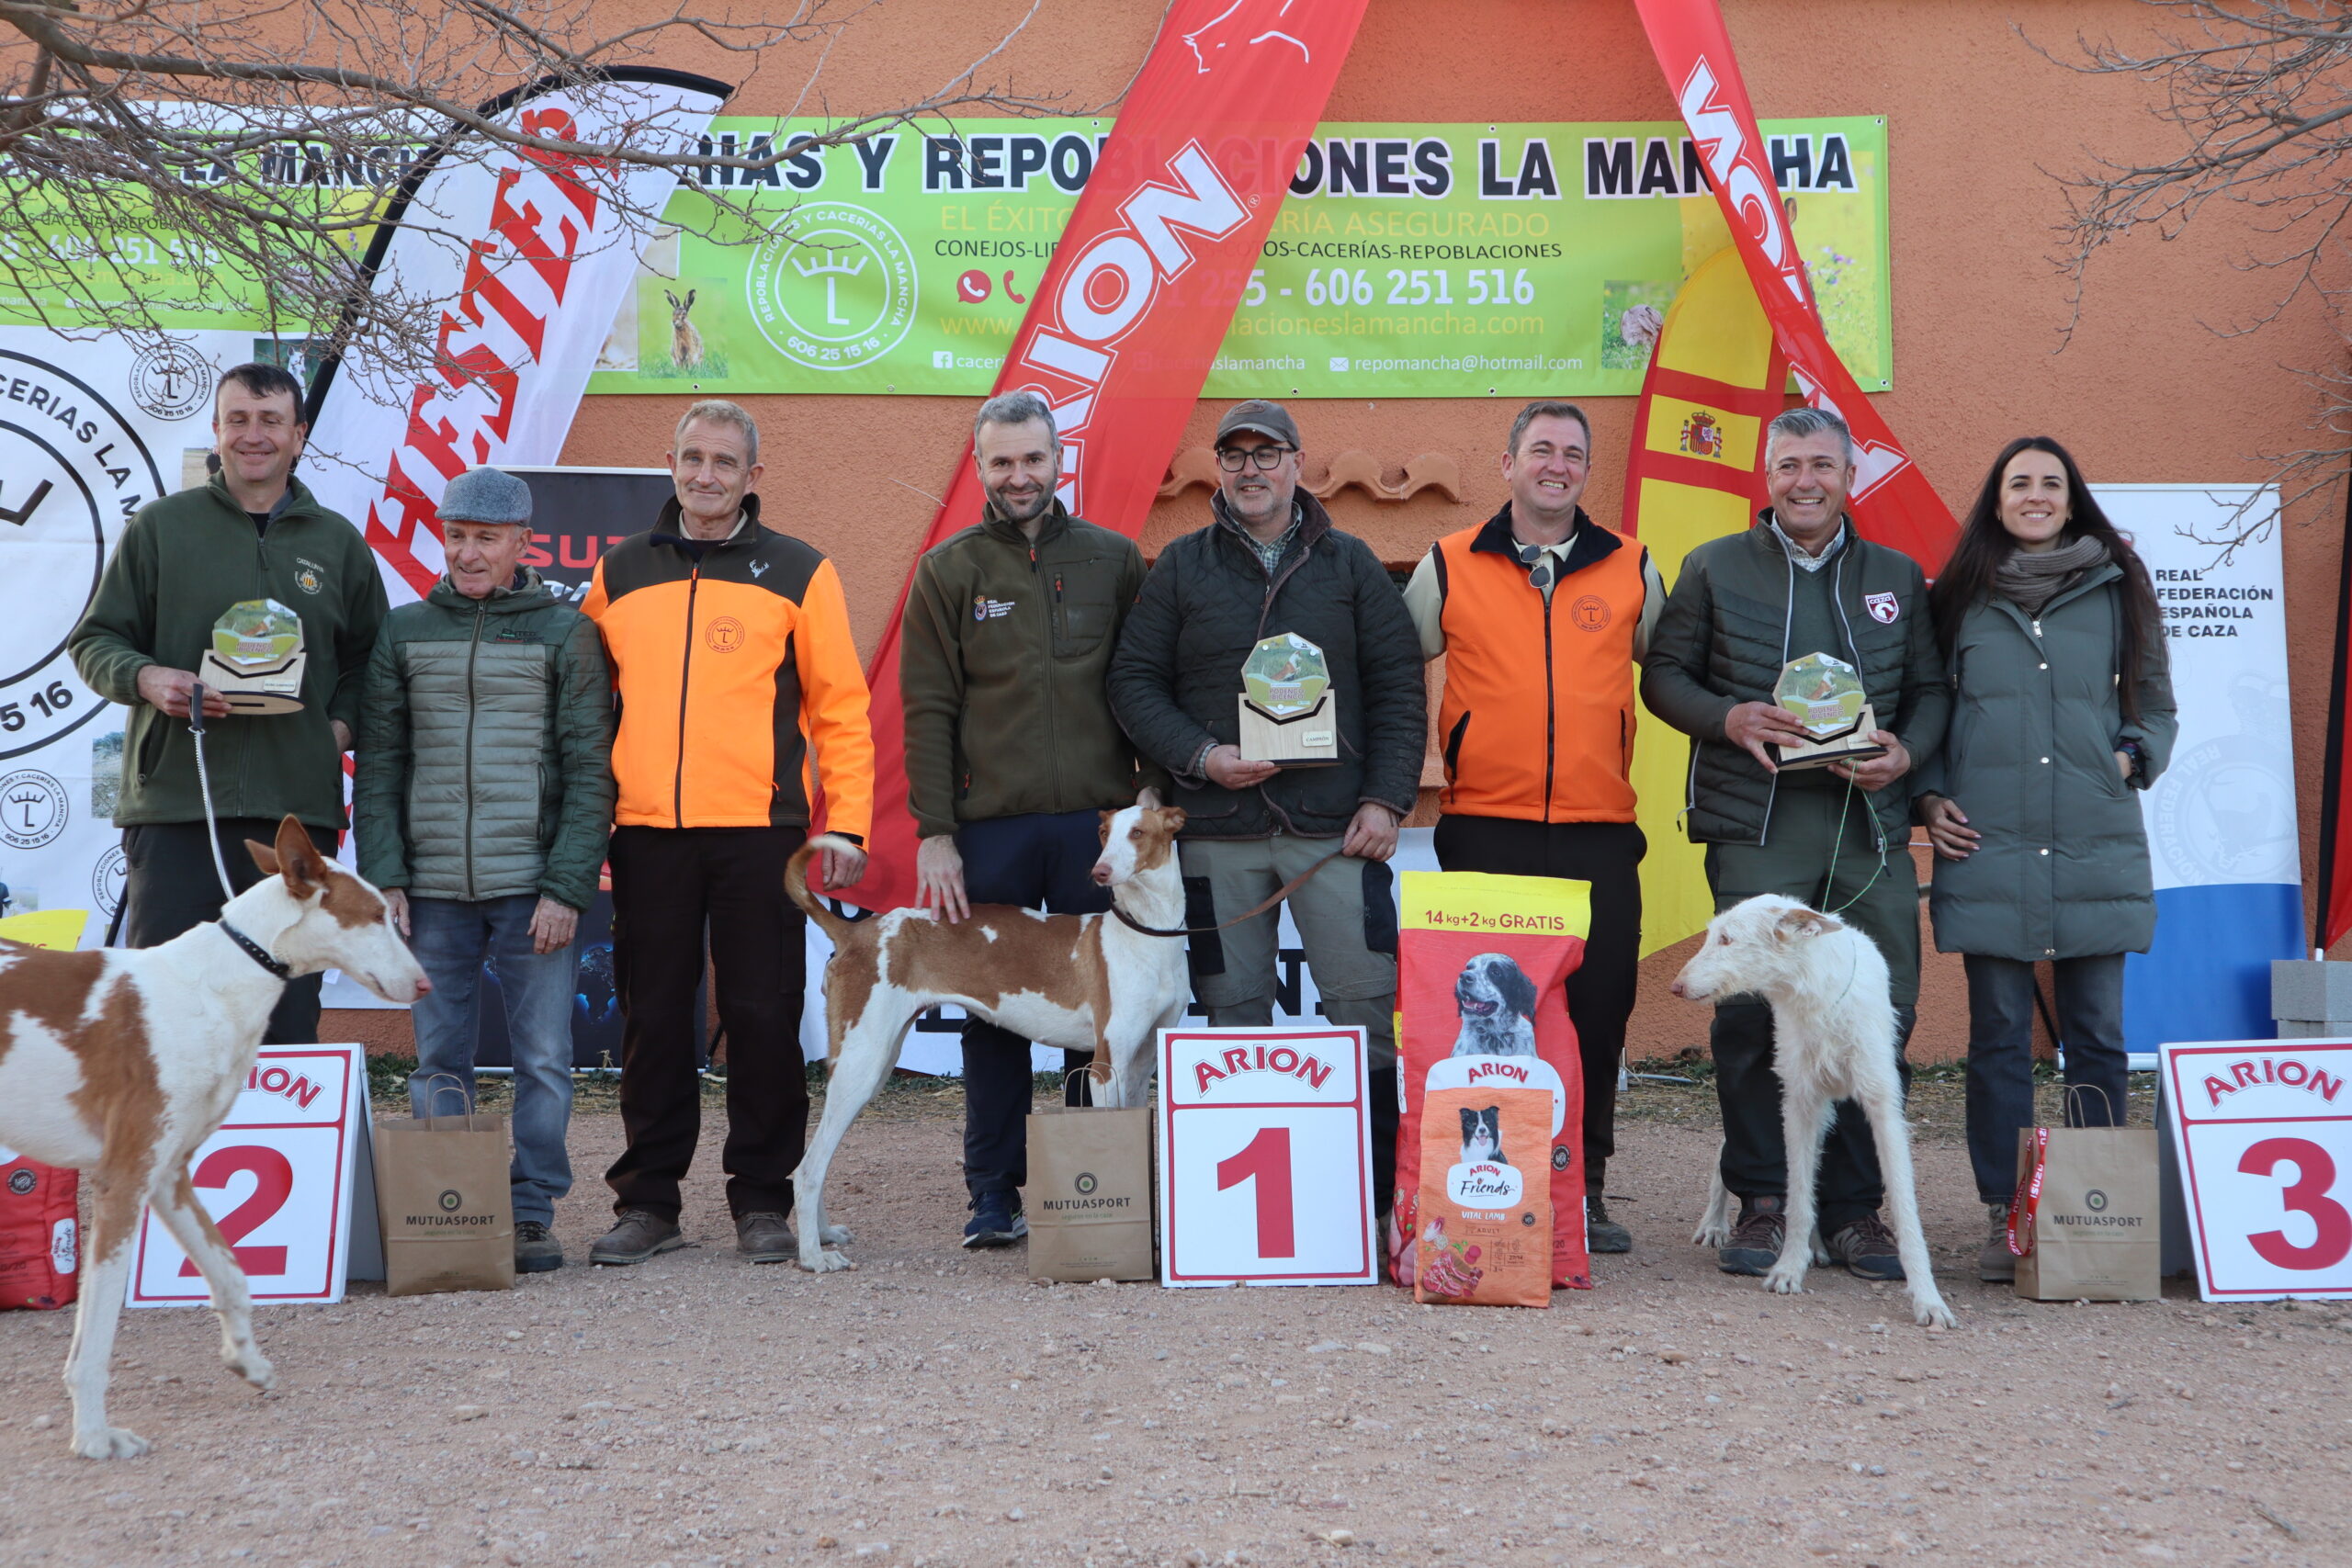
{"x":1265,"y":1157}
{"x":2264,"y":1132}
{"x":279,"y":1177}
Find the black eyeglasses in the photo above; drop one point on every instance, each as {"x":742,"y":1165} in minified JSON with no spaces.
{"x":1233,"y":460}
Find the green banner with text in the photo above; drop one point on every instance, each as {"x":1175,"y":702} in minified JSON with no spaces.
{"x":1409,"y":261}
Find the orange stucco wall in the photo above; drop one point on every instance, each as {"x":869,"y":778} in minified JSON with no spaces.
{"x":2145,"y":390}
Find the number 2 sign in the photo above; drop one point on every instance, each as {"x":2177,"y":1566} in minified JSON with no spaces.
{"x":280,"y":1178}
{"x":1265,"y":1157}
{"x":2264,"y":1132}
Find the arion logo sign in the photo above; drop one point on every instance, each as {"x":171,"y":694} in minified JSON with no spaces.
{"x":1109,"y":289}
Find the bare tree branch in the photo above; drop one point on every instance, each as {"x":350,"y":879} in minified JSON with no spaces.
{"x":2258,"y":94}
{"x":164,"y":159}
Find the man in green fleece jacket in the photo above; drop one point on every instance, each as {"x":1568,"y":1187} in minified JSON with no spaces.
{"x":255,"y":532}
{"x":1011,"y":746}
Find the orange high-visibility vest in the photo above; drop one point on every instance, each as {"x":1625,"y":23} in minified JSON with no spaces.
{"x":1538,"y":718}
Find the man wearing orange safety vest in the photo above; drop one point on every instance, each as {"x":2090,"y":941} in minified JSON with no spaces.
{"x":742,"y":710}
{"x":1541,"y":614}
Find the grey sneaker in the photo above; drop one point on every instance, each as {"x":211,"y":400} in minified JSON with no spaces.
{"x":1996,"y":1265}
{"x":639,"y":1234}
{"x":1755,"y":1244}
{"x":1867,"y":1249}
{"x":1603,"y":1233}
{"x":766,"y":1238}
{"x":535,"y":1252}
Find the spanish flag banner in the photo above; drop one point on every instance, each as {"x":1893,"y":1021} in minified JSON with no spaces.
{"x":1892,"y":502}
{"x":1696,"y":474}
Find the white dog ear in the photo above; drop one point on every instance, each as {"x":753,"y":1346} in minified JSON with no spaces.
{"x":1801,"y":922}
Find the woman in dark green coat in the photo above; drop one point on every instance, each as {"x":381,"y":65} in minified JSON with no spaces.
{"x":2062,"y":714}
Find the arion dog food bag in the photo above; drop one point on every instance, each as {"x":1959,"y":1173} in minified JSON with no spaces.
{"x":1484,"y":1211}
{"x":1480,"y":961}
{"x":38,"y":1246}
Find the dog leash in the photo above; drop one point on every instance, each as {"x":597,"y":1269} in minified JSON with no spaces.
{"x":251,"y":948}
{"x":2027,"y":1202}
{"x":1837,"y":843}
{"x":1276,"y":897}
{"x":204,"y":784}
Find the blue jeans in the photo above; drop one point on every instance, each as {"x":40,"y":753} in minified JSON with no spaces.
{"x":451,"y":937}
{"x":2000,"y":1055}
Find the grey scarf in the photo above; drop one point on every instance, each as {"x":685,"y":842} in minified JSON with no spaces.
{"x":2032,"y":580}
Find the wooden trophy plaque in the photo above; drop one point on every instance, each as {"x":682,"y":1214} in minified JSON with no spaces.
{"x":1289,"y":713}
{"x":1827,"y":696}
{"x":256,"y":657}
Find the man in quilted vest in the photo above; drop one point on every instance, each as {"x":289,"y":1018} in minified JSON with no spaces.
{"x":483,"y":797}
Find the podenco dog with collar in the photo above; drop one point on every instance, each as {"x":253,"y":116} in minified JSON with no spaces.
{"x":1833,"y":1039}
{"x":1082,"y":982}
{"x":120,"y":1062}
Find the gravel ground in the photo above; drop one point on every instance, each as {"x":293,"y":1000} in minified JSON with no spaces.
{"x":934,"y":1407}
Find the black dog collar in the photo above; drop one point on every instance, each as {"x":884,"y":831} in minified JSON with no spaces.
{"x":256,"y":952}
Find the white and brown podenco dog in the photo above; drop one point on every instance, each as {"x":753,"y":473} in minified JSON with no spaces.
{"x":1833,"y":1039}
{"x":119,"y":1063}
{"x":1082,"y":982}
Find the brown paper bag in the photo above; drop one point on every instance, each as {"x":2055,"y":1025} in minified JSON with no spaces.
{"x":448,"y":1211}
{"x":1088,"y":1198}
{"x":2084,"y":1223}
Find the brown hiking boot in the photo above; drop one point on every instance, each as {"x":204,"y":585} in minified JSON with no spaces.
{"x":640,"y":1234}
{"x":1996,"y":1265}
{"x":1867,"y":1249}
{"x":1755,"y":1244}
{"x":766,"y":1238}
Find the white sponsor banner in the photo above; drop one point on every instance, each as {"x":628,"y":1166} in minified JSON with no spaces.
{"x":2221,"y":837}
{"x":532,"y":254}
{"x":91,"y":430}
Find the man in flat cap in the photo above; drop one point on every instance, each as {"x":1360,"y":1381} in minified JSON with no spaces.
{"x":483,"y":798}
{"x":1270,"y":562}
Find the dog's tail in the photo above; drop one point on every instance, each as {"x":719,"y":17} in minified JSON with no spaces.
{"x":796,"y":885}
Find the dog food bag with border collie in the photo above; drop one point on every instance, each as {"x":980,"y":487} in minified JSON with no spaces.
{"x":1484,"y":1212}
{"x":38,"y":1241}
{"x":1480,"y":965}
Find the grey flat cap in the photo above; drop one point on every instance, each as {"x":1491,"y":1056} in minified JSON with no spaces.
{"x":486,"y":496}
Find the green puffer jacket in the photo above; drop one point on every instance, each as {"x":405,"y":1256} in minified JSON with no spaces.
{"x":2062,"y":868}
{"x":485,"y":749}
{"x":1732,"y":622}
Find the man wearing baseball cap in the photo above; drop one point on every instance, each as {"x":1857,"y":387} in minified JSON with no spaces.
{"x":483,"y":797}
{"x":1270,"y":562}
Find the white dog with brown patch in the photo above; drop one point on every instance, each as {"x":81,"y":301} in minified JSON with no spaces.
{"x":1833,"y":1039}
{"x":1082,"y":982}
{"x":119,"y":1063}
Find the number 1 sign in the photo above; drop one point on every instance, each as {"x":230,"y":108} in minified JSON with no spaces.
{"x":280,"y":1177}
{"x":1265,"y":1157}
{"x":2264,"y":1132}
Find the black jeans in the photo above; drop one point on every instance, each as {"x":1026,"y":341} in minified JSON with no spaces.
{"x":1038,"y":860}
{"x":2000,"y":1056}
{"x":1600,"y":992}
{"x":669,"y":885}
{"x":170,"y":887}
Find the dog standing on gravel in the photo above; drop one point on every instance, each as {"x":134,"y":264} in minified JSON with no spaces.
{"x":120,"y":1062}
{"x":1082,"y":982}
{"x":1833,"y":1039}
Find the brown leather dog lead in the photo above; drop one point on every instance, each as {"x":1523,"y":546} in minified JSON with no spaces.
{"x":1276,"y":897}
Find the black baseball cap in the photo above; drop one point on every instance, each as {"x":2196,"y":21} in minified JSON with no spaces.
{"x":1270,"y":420}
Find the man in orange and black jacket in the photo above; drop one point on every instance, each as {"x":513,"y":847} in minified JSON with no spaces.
{"x":1541,"y":614}
{"x":739,"y":683}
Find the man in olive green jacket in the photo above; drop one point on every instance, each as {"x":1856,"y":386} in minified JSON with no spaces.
{"x":1011,"y":746}
{"x":255,"y":532}
{"x":483,"y":798}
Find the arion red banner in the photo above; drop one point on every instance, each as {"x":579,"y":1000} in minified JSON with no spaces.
{"x":1143,"y":281}
{"x":1893,"y":502}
